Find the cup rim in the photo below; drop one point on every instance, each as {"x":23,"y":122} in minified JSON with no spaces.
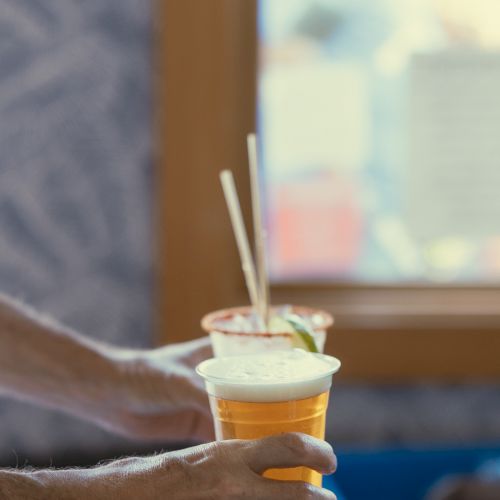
{"x":208,"y":321}
{"x":335,"y":367}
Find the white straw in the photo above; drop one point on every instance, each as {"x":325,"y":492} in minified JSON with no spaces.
{"x":233,"y":205}
{"x":260,"y":244}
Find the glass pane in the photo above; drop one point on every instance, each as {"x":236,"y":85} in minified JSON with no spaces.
{"x":380,"y":126}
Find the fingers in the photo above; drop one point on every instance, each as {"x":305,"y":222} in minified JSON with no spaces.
{"x":218,"y":471}
{"x":290,"y":450}
{"x":269,"y":489}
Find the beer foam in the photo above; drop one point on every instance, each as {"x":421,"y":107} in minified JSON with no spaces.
{"x":269,"y":376}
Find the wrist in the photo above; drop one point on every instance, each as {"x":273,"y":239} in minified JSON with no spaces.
{"x":124,"y":369}
{"x":102,"y":386}
{"x":91,"y":380}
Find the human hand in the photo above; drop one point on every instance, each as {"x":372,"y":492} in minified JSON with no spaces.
{"x":148,"y":394}
{"x":226,"y":470}
{"x":232,"y":469}
{"x":157,"y":395}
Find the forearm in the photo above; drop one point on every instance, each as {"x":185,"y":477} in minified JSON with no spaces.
{"x":45,"y":363}
{"x":126,"y":479}
{"x":18,"y":486}
{"x":76,"y":484}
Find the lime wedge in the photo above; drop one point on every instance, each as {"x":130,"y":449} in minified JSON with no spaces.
{"x":302,"y":334}
{"x":278,"y":324}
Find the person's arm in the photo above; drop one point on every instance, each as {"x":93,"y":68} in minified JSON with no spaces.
{"x":226,"y":470}
{"x":45,"y":363}
{"x":148,"y":394}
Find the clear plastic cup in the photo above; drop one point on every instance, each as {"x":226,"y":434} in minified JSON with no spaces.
{"x":229,"y":339}
{"x":257,"y":395}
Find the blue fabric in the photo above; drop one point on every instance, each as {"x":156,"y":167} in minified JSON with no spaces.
{"x":332,"y":484}
{"x":403,"y":474}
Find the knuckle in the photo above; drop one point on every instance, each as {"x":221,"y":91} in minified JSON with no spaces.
{"x":229,"y":449}
{"x":296,"y":442}
{"x":216,"y":446}
{"x":219,"y":449}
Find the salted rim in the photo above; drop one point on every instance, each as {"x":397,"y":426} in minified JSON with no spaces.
{"x":208,"y":322}
{"x":335,"y":365}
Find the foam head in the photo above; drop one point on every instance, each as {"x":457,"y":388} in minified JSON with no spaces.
{"x":269,"y":376}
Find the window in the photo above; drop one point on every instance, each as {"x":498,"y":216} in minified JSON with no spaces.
{"x":380,"y":123}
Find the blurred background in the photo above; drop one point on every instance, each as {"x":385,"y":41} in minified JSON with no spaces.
{"x":75,"y":183}
{"x":378,"y":124}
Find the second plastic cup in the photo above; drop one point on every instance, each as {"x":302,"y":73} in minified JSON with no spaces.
{"x":229,"y":339}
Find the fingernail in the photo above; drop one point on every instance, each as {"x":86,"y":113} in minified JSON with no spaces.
{"x":332,"y":469}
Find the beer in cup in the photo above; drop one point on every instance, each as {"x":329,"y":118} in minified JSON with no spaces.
{"x":268,"y":393}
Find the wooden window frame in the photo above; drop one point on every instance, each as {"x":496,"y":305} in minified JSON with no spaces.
{"x":206,"y":94}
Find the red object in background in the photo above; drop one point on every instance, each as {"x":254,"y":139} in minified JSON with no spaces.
{"x":317,"y":227}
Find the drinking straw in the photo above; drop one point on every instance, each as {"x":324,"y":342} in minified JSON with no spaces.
{"x":260,"y":236}
{"x":233,"y":205}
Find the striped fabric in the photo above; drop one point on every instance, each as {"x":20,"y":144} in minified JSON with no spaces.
{"x":75,"y":172}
